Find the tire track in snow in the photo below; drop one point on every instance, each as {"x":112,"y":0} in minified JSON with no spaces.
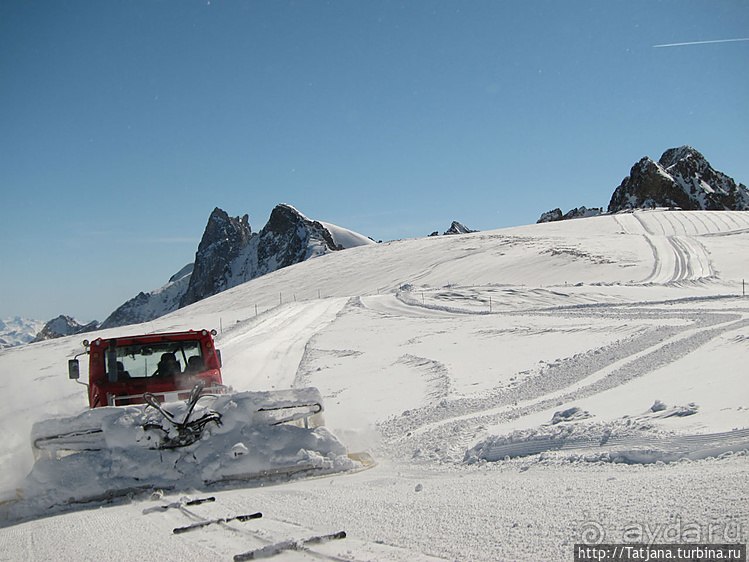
{"x":675,"y":258}
{"x":688,"y":227}
{"x":271,"y":348}
{"x":670,"y":220}
{"x":435,"y":373}
{"x":698,"y":217}
{"x":458,"y":422}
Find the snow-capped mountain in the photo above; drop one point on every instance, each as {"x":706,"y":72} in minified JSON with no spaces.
{"x":455,"y":228}
{"x":230,"y":254}
{"x":18,"y":331}
{"x":63,"y":326}
{"x":682,"y":178}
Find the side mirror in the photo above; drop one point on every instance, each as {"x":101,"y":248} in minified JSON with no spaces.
{"x":218,"y":355}
{"x":74,"y":370}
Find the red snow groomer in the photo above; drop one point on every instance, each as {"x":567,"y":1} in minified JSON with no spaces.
{"x":159,"y":417}
{"x":167,"y":366}
{"x":146,"y":372}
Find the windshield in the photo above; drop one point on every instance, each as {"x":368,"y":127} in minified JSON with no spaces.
{"x":160,"y":359}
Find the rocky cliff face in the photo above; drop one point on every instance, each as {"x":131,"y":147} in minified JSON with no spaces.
{"x":63,"y":326}
{"x":230,"y":254}
{"x":580,"y":212}
{"x":458,"y":228}
{"x":239,"y":256}
{"x":682,"y":178}
{"x":223,"y":241}
{"x":289,"y":238}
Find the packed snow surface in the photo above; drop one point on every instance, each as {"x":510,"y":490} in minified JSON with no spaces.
{"x":522,"y":390}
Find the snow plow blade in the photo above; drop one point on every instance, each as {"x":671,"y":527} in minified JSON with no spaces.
{"x":232,"y":440}
{"x":172,"y":425}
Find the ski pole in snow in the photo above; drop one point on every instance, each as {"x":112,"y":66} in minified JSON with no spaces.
{"x":202,"y":524}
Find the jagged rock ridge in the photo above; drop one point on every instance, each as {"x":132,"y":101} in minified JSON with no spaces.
{"x":223,"y":240}
{"x":289,"y":237}
{"x":682,"y":178}
{"x":455,"y":228}
{"x":63,"y":326}
{"x":230,"y":254}
{"x":580,"y":212}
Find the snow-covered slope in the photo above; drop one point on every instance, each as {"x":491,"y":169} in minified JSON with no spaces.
{"x":562,"y":347}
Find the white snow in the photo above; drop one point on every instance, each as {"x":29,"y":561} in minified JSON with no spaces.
{"x":443,"y":357}
{"x":18,"y":331}
{"x":347,"y":238}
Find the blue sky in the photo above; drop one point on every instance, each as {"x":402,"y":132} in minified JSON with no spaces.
{"x":123,"y":124}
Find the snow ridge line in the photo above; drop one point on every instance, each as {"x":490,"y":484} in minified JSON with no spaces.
{"x":647,"y":447}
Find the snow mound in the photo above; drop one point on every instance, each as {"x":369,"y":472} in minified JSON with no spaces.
{"x":570,"y":414}
{"x":626,"y":440}
{"x":123,"y":460}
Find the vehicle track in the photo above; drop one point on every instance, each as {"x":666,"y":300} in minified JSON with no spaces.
{"x":271,"y":347}
{"x":572,"y":379}
{"x":676,"y":258}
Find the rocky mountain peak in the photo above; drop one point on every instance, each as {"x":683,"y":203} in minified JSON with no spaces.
{"x":681,"y":178}
{"x":283,"y":218}
{"x":63,"y":326}
{"x":224,"y":232}
{"x":683,"y":153}
{"x":223,"y":240}
{"x":455,"y":228}
{"x":230,"y":254}
{"x":458,"y":228}
{"x":289,"y":238}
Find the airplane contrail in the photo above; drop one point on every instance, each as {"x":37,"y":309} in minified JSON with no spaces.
{"x":701,"y":42}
